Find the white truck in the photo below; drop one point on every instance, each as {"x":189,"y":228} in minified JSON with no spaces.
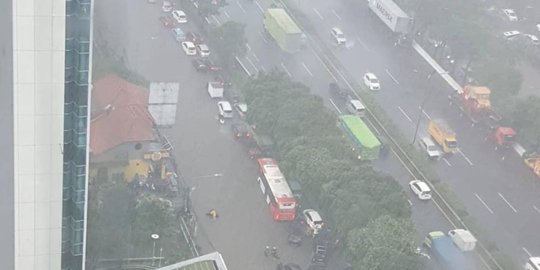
{"x":392,"y":15}
{"x":215,"y":89}
{"x":463,"y":239}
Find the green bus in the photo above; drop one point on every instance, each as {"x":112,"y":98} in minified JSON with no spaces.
{"x":366,"y":143}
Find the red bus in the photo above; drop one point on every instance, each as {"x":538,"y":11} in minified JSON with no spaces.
{"x":276,"y":189}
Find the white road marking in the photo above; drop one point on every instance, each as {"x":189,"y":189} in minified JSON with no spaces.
{"x":403,"y":112}
{"x":242,"y":65}
{"x":536,"y":208}
{"x":207,"y":20}
{"x":256,"y":58}
{"x":482,"y":201}
{"x":307,"y":69}
{"x":259,"y":6}
{"x":425,"y":113}
{"x":285,"y":69}
{"x":326,"y":67}
{"x":391,"y":76}
{"x":226,"y":14}
{"x":410,"y":203}
{"x":251,"y":63}
{"x":248,"y":47}
{"x":335,"y":13}
{"x":263,"y":69}
{"x":447,"y":162}
{"x":362,"y":43}
{"x":318,"y":14}
{"x":504,"y":199}
{"x":465,"y":157}
{"x":526,"y":251}
{"x":263,"y":37}
{"x":335,"y":106}
{"x":216,"y":19}
{"x":240,"y":6}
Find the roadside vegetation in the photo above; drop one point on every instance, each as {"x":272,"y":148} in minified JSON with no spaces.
{"x":360,"y":204}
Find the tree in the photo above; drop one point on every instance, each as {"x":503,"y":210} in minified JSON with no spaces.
{"x":228,"y":41}
{"x":526,"y":112}
{"x":384,"y":242}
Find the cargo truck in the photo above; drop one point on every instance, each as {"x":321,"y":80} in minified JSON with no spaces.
{"x":441,"y":132}
{"x":279,"y":25}
{"x":475,"y":103}
{"x":394,"y":17}
{"x":367,"y":146}
{"x":446,"y":253}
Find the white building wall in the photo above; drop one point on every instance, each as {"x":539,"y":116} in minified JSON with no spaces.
{"x":38,"y":56}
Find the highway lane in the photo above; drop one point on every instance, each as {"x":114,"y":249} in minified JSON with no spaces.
{"x":308,"y":68}
{"x":214,"y":164}
{"x":468,"y":169}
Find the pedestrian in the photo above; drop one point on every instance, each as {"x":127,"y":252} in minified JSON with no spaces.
{"x":274,"y":252}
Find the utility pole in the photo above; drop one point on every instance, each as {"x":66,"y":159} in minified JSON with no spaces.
{"x":421,"y":107}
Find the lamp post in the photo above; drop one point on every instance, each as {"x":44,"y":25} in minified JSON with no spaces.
{"x":154,"y":237}
{"x":421,"y":107}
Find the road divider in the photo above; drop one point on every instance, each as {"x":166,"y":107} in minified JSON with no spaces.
{"x":335,"y":106}
{"x":242,"y":66}
{"x":507,"y":202}
{"x":484,"y":203}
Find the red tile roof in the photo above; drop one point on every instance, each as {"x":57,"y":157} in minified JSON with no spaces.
{"x":119,"y":114}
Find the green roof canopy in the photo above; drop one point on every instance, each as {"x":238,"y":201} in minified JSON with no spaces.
{"x":360,"y":130}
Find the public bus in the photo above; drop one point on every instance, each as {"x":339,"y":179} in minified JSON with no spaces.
{"x":275,"y":188}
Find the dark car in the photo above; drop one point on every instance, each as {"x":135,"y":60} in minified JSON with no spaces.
{"x":211,"y":65}
{"x":167,"y":21}
{"x":241,"y":131}
{"x":199,"y":64}
{"x":319,"y":255}
{"x":194,"y":37}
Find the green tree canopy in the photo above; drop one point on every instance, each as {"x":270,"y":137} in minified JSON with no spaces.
{"x":228,"y":41}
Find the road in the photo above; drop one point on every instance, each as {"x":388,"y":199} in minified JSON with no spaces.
{"x":502,"y":195}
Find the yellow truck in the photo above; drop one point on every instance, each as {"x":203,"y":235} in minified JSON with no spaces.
{"x":441,"y":132}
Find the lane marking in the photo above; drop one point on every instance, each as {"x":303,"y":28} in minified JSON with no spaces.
{"x":286,"y":70}
{"x":335,"y":13}
{"x":207,"y":20}
{"x":318,"y":14}
{"x":307,"y":69}
{"x":391,"y":76}
{"x":335,"y":106}
{"x":447,"y":162}
{"x":536,"y":208}
{"x":263,"y":38}
{"x":216,"y":19}
{"x":484,"y":203}
{"x":248,"y":47}
{"x":326,"y":67}
{"x":259,"y":6}
{"x":425,"y":113}
{"x":403,"y":112}
{"x":506,"y":201}
{"x":226,"y":14}
{"x":362,"y":43}
{"x":242,"y":65}
{"x":240,"y":6}
{"x":410,"y":203}
{"x":465,"y":157}
{"x":256,"y":58}
{"x":526,"y":251}
{"x":253,"y":65}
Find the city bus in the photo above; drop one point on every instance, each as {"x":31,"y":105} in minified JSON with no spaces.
{"x":275,"y":188}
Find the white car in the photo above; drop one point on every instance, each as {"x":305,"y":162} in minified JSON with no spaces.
{"x":179,"y":16}
{"x":371,"y":82}
{"x":429,"y":146}
{"x":313,"y":220}
{"x":167,"y":6}
{"x":534,"y":39}
{"x":511,"y":34}
{"x":338,"y":36}
{"x":241,"y":108}
{"x":203,"y":50}
{"x":189,"y":48}
{"x":420,"y":189}
{"x":510,"y":14}
{"x":225,"y":109}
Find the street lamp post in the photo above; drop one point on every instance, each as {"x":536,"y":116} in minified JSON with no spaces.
{"x":154,"y":237}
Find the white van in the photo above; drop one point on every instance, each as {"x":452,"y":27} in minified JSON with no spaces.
{"x":215,"y":89}
{"x":354,"y":106}
{"x":429,"y":146}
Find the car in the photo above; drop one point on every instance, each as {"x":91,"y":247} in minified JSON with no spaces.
{"x":511,"y":34}
{"x":429,"y":146}
{"x":534,"y":39}
{"x":225,"y":109}
{"x":371,"y":82}
{"x":194,"y":37}
{"x":510,"y":14}
{"x":167,"y":21}
{"x":203,"y":50}
{"x":313,"y":220}
{"x":189,"y":48}
{"x":420,"y":189}
{"x":199,"y":64}
{"x":241,"y":131}
{"x":241,"y":109}
{"x":166,"y":6}
{"x":338,"y":36}
{"x":179,"y":16}
{"x":319,"y":255}
{"x":178,"y":34}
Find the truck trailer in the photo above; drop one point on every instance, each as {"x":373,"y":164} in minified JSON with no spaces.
{"x":392,"y":15}
{"x":366,"y":143}
{"x":446,"y":253}
{"x":279,"y":25}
